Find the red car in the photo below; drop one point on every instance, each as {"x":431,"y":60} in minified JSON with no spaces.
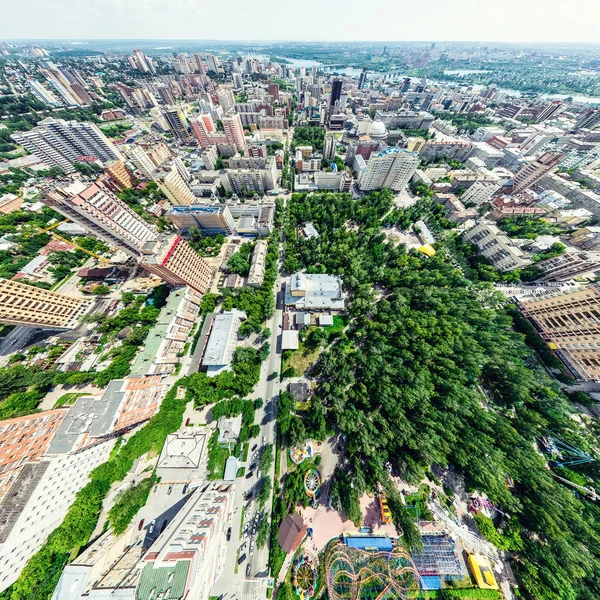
{"x":141,"y":524}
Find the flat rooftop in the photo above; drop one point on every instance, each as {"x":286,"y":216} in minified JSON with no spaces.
{"x":220,"y":349}
{"x":145,"y":359}
{"x":90,"y":415}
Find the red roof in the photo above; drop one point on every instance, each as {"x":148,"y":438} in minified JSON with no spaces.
{"x":56,"y":246}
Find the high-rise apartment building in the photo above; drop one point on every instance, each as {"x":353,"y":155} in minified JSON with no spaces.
{"x":234,"y":131}
{"x":174,"y":186}
{"x":226,"y":98}
{"x":535,"y":170}
{"x":205,"y":130}
{"x":146,"y":157}
{"x":119,"y":176}
{"x":22,"y":304}
{"x":25,"y":439}
{"x":60,"y":143}
{"x":199,"y":65}
{"x":329,"y":147}
{"x":570,"y":324}
{"x":336,"y":91}
{"x":274,"y":91}
{"x":103,"y":214}
{"x":552,"y":110}
{"x":392,"y":168}
{"x":589,"y":119}
{"x":362,"y":80}
{"x":173,"y":260}
{"x":142,"y":62}
{"x":177,"y":123}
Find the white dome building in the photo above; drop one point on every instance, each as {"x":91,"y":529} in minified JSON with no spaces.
{"x":377,"y":131}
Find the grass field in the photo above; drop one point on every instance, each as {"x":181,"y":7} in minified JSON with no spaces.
{"x":68,"y":399}
{"x":306,"y":355}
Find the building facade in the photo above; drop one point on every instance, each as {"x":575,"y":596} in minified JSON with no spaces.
{"x":60,"y":143}
{"x":532,"y":172}
{"x":25,"y":439}
{"x":174,"y":186}
{"x":570,"y":324}
{"x":392,"y":168}
{"x":173,"y":260}
{"x":103,"y":214}
{"x":210,"y":219}
{"x":22,"y":304}
{"x":496,"y":246}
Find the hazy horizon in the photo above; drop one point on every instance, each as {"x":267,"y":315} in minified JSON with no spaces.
{"x":466,"y":21}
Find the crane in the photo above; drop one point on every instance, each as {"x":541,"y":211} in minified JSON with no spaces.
{"x":56,"y":236}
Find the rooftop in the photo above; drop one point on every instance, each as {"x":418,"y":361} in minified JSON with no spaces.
{"x":89,"y":417}
{"x":309,"y":291}
{"x":143,"y":364}
{"x":219,"y":349}
{"x":183,"y":450}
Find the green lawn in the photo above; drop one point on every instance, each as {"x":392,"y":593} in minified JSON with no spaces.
{"x":68,"y":399}
{"x":305,"y":356}
{"x":302,"y":358}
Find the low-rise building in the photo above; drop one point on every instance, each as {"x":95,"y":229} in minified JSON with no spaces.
{"x":305,"y":291}
{"x":455,"y":210}
{"x":10,"y":203}
{"x":256,"y":275}
{"x":222,"y":342}
{"x":496,"y":246}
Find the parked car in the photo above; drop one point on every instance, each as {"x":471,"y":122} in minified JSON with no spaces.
{"x":169,"y":490}
{"x":251,"y":547}
{"x":248,"y":568}
{"x":254,"y":447}
{"x":249,"y":474}
{"x":185,"y":489}
{"x":228,"y":533}
{"x":151,"y":528}
{"x":155,"y":488}
{"x":241,"y":559}
{"x":140,"y":525}
{"x":253,"y":466}
{"x":163,"y":526}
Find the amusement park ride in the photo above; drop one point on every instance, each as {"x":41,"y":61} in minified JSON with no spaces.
{"x":567,"y":455}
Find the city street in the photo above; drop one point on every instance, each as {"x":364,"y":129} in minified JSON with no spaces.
{"x":253,"y":587}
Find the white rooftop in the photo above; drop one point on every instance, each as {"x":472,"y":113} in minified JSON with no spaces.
{"x":313,"y":291}
{"x":223,"y":337}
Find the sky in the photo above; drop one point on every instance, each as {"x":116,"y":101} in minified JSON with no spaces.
{"x":335,"y":20}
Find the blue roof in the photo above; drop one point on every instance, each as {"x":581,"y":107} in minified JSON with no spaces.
{"x":369,"y":543}
{"x":194,"y":208}
{"x":395,"y":150}
{"x":431,"y":582}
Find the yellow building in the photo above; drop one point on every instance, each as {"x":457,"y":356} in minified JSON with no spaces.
{"x":482,"y":572}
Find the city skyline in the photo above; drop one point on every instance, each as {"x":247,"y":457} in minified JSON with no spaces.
{"x":466,"y":21}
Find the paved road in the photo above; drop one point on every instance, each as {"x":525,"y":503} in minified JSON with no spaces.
{"x":253,"y":587}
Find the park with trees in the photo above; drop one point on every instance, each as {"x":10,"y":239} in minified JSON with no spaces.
{"x":403,"y":386}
